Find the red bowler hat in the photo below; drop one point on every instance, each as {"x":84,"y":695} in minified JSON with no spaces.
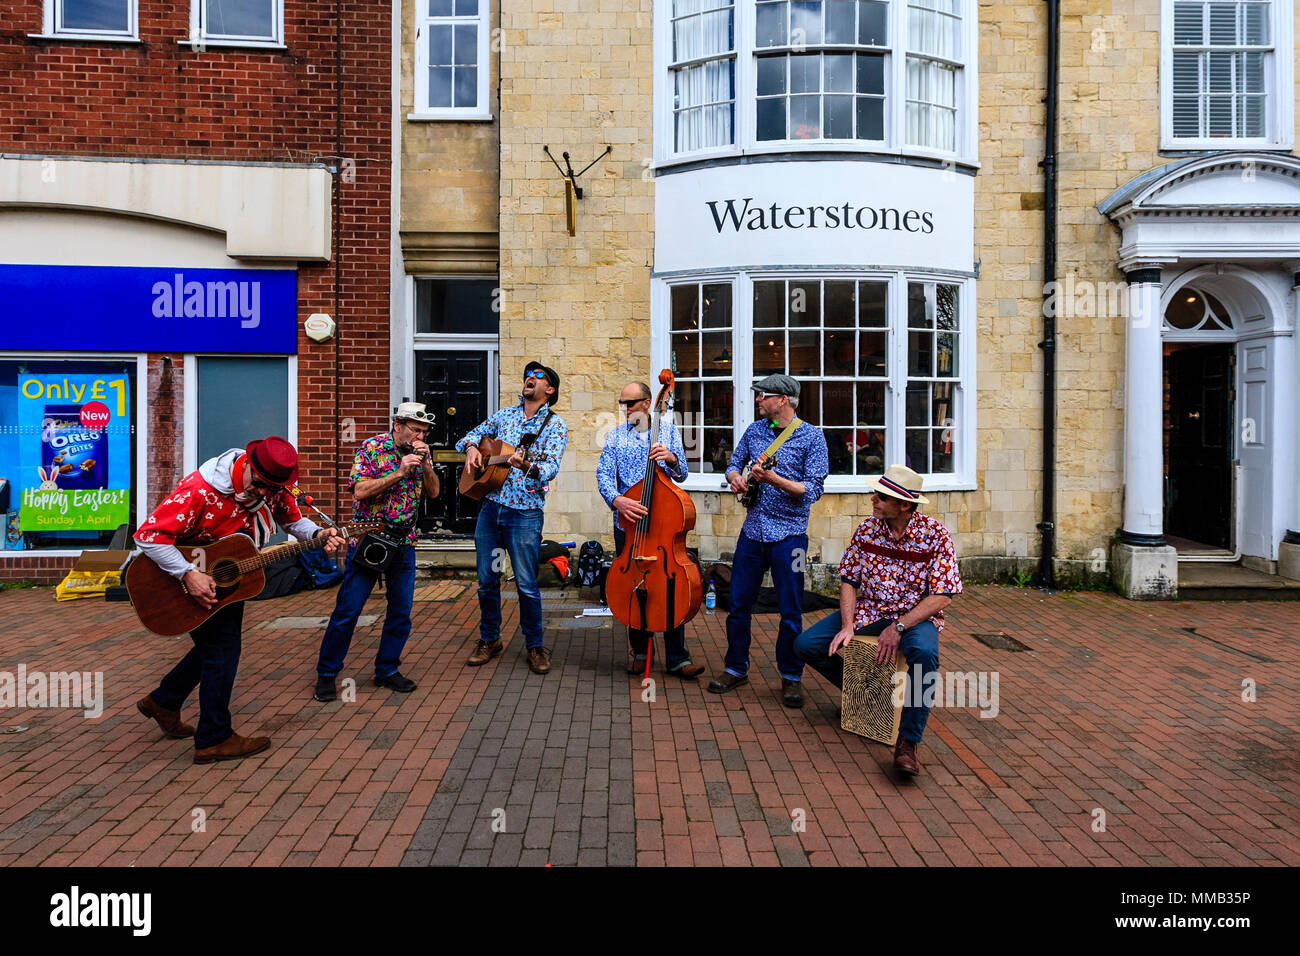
{"x":274,"y":459}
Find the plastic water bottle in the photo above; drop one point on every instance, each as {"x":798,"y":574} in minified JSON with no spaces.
{"x":710,"y":599}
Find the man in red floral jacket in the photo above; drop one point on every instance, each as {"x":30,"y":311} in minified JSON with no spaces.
{"x":897,"y":575}
{"x":241,"y":491}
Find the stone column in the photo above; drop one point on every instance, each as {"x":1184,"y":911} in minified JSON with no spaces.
{"x":1145,"y":565}
{"x":1288,"y":552}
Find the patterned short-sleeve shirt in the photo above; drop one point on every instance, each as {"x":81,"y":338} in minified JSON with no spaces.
{"x":377,"y":457}
{"x":893,"y":574}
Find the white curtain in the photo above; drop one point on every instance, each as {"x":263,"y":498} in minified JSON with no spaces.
{"x":931,"y":104}
{"x":934,"y":28}
{"x":704,"y":104}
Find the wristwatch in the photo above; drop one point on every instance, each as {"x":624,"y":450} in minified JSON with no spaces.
{"x":898,"y":626}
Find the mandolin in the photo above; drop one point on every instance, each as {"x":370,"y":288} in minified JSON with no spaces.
{"x":165,"y":607}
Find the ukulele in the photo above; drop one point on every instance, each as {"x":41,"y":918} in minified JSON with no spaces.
{"x":165,"y":607}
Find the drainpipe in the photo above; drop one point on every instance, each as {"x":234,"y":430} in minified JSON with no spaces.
{"x":1047,"y":527}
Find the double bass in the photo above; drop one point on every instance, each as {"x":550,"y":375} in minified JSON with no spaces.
{"x":653,"y":585}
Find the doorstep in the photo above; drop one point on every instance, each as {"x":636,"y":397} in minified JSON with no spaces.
{"x":1204,"y":581}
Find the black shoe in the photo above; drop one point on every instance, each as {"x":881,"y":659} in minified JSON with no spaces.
{"x":725,"y":683}
{"x":403,"y":685}
{"x":791,"y":693}
{"x":325,"y":690}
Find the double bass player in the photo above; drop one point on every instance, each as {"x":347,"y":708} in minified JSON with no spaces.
{"x":623,"y":463}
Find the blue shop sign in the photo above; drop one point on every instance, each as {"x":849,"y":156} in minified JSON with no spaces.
{"x":148,"y":309}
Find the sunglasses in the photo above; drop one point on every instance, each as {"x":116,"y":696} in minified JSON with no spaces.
{"x":538,"y":374}
{"x":265,"y":485}
{"x":629,"y":402}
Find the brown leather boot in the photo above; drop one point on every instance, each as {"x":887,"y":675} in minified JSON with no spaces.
{"x":539,"y":659}
{"x":905,"y":757}
{"x":168,"y":720}
{"x":232,"y":748}
{"x":484,"y":652}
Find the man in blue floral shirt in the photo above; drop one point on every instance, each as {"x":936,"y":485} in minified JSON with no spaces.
{"x":775,"y":533}
{"x":389,"y":474}
{"x":622,"y":464}
{"x":510,"y":520}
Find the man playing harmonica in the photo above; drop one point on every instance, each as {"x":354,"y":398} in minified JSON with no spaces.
{"x":389,"y":474}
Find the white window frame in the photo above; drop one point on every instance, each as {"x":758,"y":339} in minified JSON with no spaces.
{"x":200,"y":39}
{"x":1280,"y":87}
{"x":52,"y":29}
{"x":452,"y":341}
{"x":422,"y":111}
{"x":961,"y":478}
{"x":190,"y":387}
{"x":142,"y":460}
{"x":746,"y":52}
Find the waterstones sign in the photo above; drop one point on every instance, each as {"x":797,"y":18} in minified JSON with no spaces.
{"x":772,"y":215}
{"x":146,"y":309}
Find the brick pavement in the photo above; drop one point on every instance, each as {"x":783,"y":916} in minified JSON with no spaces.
{"x":1132,"y":709}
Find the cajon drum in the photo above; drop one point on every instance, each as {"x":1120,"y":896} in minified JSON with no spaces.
{"x":867,"y":702}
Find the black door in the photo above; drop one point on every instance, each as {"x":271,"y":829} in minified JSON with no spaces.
{"x":1199,"y":444}
{"x":454,"y":386}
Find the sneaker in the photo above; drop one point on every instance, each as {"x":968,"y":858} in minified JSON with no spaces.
{"x":484,"y":652}
{"x":326,"y":690}
{"x":539,"y":659}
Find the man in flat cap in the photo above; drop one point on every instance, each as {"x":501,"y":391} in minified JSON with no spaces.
{"x":897,"y":575}
{"x":775,"y":533}
{"x":389,"y":474}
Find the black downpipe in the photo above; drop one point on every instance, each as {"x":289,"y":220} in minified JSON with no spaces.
{"x":1047,"y":527}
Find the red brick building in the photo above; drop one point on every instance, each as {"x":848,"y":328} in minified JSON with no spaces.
{"x":182,"y":185}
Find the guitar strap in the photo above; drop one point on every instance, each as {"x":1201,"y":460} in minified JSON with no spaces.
{"x":786,"y":432}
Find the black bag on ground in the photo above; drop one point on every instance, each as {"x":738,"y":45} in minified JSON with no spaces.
{"x":591,"y":560}
{"x":548,"y":575}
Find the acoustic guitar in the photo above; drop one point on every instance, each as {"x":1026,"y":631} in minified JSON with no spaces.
{"x":165,"y":607}
{"x":749,"y":497}
{"x":478,"y":483}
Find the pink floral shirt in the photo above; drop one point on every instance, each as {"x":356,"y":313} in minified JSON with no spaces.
{"x":379,"y":456}
{"x":893,"y":575}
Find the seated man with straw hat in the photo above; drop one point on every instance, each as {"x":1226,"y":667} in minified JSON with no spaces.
{"x":897,"y":575}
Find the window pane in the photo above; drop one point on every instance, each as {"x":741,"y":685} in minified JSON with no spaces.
{"x":466,"y":92}
{"x":1251,"y":109}
{"x":871,"y":73}
{"x":1255,"y":24}
{"x":871,"y":118}
{"x":805,"y":304}
{"x":466,"y":8}
{"x":839,"y":117}
{"x":717,"y":359}
{"x":1220,"y":116}
{"x":96,"y":15}
{"x":716,"y":449}
{"x":871,"y":354}
{"x":1218,"y":73}
{"x":439,"y":46}
{"x":870,"y":450}
{"x":771,"y":75}
{"x":769,"y":304}
{"x":466,"y":45}
{"x":918,"y":403}
{"x":946,"y":356}
{"x":941,"y":451}
{"x":805,"y":357}
{"x":871,"y":304}
{"x":440,"y":86}
{"x":837,"y":403}
{"x":1187,"y":23}
{"x":920,"y":357}
{"x":1187,"y":72}
{"x":240,"y":18}
{"x":871,"y":403}
{"x":918,"y":315}
{"x":805,"y":22}
{"x":840,"y":27}
{"x":918,"y":449}
{"x":685,"y":307}
{"x":456,"y":306}
{"x":769,"y":352}
{"x":941,"y":404}
{"x":839,"y":304}
{"x":805,"y":117}
{"x":771,"y":24}
{"x":717,"y":403}
{"x":810,"y":402}
{"x":945,"y":306}
{"x":1223,"y":24}
{"x":872,"y":18}
{"x":717,"y":306}
{"x":837,"y":356}
{"x":1252,"y":73}
{"x":686,"y":354}
{"x":839,"y":72}
{"x":440,"y":8}
{"x":838,"y":448}
{"x":805,"y":73}
{"x":771,"y":119}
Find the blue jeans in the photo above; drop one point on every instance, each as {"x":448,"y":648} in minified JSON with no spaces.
{"x":920,"y":645}
{"x":210,"y":666}
{"x":353,"y":591}
{"x":675,"y":654}
{"x":517,"y":533}
{"x":751,"y":560}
